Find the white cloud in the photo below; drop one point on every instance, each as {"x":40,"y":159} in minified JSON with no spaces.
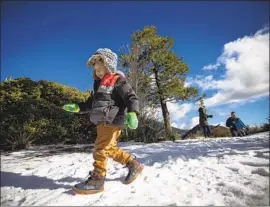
{"x":174,"y":124}
{"x":194,"y":122}
{"x":178,"y":114}
{"x":211,"y":66}
{"x":178,"y":111}
{"x":180,"y":125}
{"x":218,"y":112}
{"x":246,"y":64}
{"x":187,"y":83}
{"x":204,"y":82}
{"x":184,"y":124}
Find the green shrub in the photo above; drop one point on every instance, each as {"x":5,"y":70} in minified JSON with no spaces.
{"x":221,"y":132}
{"x":149,"y":130}
{"x":31,"y":114}
{"x":17,"y":139}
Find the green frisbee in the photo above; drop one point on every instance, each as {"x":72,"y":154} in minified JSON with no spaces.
{"x":74,"y":108}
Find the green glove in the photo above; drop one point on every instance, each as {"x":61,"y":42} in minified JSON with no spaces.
{"x":74,"y":108}
{"x":131,"y":120}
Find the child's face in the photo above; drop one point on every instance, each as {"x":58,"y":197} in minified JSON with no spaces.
{"x":100,"y":70}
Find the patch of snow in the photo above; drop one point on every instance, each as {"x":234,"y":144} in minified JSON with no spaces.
{"x":221,"y":171}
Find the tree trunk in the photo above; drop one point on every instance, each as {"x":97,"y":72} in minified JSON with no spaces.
{"x":164,"y":108}
{"x":166,"y":118}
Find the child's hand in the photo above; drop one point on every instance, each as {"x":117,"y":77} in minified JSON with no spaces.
{"x":74,"y":108}
{"x":132,"y":120}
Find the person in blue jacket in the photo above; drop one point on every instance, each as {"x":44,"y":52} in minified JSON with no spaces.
{"x":237,"y":127}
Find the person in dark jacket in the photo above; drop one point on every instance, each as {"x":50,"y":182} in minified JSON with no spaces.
{"x":112,"y":104}
{"x":237,"y":127}
{"x":203,"y":119}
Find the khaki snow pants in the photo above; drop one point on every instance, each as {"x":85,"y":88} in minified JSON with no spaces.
{"x":106,"y":147}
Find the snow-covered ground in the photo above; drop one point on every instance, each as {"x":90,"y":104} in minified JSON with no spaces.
{"x":224,"y":171}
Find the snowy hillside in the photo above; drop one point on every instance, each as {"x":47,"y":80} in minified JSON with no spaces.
{"x":225,"y":171}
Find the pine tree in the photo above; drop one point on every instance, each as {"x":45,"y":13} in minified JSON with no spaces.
{"x":161,"y":69}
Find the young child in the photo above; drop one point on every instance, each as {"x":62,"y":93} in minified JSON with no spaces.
{"x":112,"y":96}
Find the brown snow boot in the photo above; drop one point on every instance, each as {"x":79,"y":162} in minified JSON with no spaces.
{"x":134,"y":169}
{"x":94,"y":184}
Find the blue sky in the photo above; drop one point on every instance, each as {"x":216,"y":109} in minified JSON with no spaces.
{"x":53,"y":40}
